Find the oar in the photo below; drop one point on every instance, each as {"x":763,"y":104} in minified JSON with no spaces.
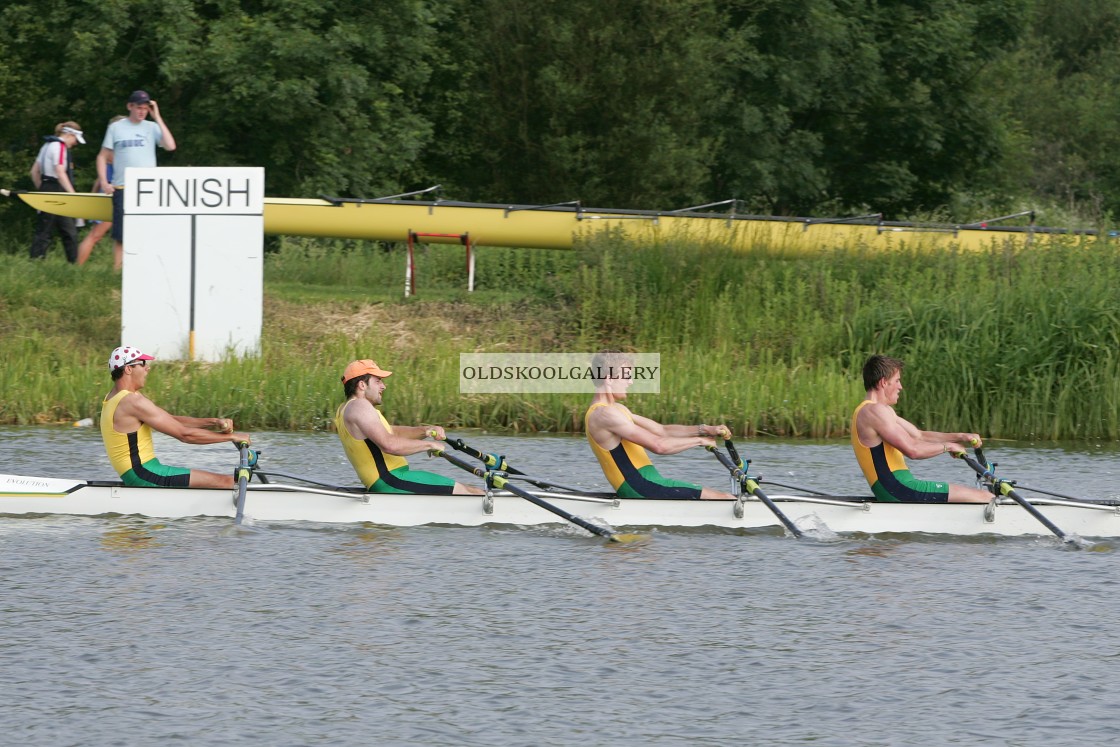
{"x":1021,"y":486}
{"x":730,"y":445}
{"x":740,"y":464}
{"x":262,"y":475}
{"x":751,"y":486}
{"x":811,"y":491}
{"x":985,"y":463}
{"x":494,"y":461}
{"x":242,"y":475}
{"x":497,"y":480}
{"x":982,"y":468}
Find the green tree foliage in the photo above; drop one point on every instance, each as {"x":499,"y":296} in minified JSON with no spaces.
{"x":809,"y":107}
{"x":790,"y":105}
{"x":850,"y":103}
{"x":609,"y":103}
{"x":323,"y":93}
{"x":1060,"y":89}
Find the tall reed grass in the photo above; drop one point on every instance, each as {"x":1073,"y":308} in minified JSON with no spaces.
{"x":1013,"y":343}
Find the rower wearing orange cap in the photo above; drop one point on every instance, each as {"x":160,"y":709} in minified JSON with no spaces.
{"x":376,"y":449}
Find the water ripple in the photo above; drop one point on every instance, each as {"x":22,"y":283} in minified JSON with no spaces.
{"x":120,"y":630}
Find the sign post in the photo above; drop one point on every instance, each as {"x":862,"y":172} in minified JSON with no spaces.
{"x":193,"y":276}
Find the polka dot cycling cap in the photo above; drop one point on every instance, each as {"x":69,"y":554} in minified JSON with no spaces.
{"x":122,"y":356}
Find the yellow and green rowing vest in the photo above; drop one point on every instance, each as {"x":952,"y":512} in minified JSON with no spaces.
{"x":620,"y":464}
{"x":369,"y":461}
{"x":125,"y":450}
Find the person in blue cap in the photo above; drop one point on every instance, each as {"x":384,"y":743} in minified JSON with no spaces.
{"x":130,"y":142}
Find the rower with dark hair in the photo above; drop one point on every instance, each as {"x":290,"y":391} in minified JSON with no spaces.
{"x":881,"y":440}
{"x":619,"y":438}
{"x":376,"y":449}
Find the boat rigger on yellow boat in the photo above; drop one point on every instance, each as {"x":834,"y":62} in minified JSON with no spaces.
{"x":561,"y":226}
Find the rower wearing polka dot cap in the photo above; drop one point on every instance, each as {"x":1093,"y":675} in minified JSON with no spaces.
{"x":122,"y":356}
{"x":128,"y":419}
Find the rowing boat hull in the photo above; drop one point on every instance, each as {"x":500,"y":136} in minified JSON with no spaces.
{"x":560,"y":227}
{"x":20,"y":495}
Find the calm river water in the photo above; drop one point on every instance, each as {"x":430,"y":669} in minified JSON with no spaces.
{"x":139,"y":632}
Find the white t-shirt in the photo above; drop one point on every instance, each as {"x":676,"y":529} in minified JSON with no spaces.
{"x":133,"y":144}
{"x":52,"y":158}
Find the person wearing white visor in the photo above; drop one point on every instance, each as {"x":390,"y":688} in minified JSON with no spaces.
{"x":53,"y":171}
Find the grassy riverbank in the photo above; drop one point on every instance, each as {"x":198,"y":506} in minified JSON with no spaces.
{"x":1016,"y":344}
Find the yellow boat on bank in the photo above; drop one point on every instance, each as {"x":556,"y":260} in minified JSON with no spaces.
{"x":560,"y":226}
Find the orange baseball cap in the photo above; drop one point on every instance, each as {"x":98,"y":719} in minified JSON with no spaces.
{"x":361,"y":368}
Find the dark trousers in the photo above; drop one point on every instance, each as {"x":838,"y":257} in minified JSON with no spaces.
{"x":48,"y":223}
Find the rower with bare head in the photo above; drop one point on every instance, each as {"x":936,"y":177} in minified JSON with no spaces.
{"x":128,"y":419}
{"x":376,"y":449}
{"x":882,"y":440}
{"x":619,"y":438}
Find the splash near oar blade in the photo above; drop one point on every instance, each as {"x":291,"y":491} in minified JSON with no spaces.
{"x":981,"y":467}
{"x":499,"y":481}
{"x":503,"y":484}
{"x":751,"y":486}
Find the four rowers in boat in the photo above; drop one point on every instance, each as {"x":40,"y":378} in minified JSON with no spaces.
{"x":618,"y":437}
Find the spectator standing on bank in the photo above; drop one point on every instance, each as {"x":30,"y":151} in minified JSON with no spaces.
{"x":53,"y":171}
{"x":130,"y":142}
{"x":99,"y":228}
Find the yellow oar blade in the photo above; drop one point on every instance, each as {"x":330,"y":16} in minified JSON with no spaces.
{"x":629,"y":539}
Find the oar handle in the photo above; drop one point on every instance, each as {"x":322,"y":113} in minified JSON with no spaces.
{"x":733,"y":468}
{"x":467,"y":467}
{"x":733,"y":452}
{"x":738,"y":474}
{"x":490,"y":460}
{"x":495,"y":461}
{"x":979,"y":469}
{"x":979,"y":453}
{"x":458,"y":445}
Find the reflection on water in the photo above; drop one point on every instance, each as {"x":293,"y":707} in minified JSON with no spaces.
{"x":130,"y":535}
{"x":368,"y":544}
{"x":876,"y":551}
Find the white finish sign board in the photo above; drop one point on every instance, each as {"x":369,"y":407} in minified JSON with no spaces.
{"x":193,"y":276}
